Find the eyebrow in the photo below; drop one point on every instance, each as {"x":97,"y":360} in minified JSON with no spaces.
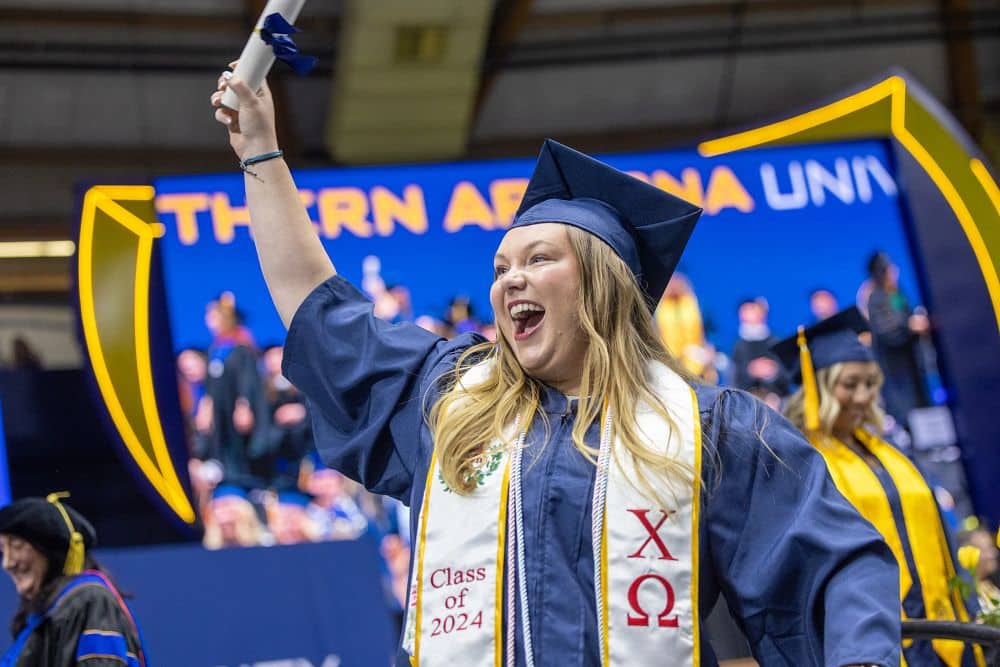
{"x":528,"y":248}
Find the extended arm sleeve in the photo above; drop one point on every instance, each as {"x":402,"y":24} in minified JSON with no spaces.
{"x":810,"y":580}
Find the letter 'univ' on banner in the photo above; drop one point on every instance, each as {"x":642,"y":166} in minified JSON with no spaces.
{"x":784,"y":218}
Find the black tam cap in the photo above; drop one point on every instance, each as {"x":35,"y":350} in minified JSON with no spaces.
{"x":49,"y":525}
{"x":645,"y":226}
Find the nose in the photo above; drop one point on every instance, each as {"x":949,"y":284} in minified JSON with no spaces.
{"x":863,"y":396}
{"x":513,"y":279}
{"x":8,"y":561}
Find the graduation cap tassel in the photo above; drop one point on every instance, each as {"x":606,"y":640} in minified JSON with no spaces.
{"x":74,"y":557}
{"x":810,"y":392}
{"x":75,"y":554}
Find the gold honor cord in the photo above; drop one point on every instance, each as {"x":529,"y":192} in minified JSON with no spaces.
{"x":115,"y":248}
{"x":888,"y":109}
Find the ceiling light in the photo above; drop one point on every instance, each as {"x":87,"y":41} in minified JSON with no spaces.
{"x":28,"y":249}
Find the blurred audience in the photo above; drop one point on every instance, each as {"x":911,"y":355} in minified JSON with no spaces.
{"x":233,"y":418}
{"x":258,"y":479}
{"x":822,"y":304}
{"x":334,"y":509}
{"x":232,"y":521}
{"x":679,"y":322}
{"x":896,"y":332}
{"x":288,"y":518}
{"x":289,"y":434}
{"x":755,"y":368}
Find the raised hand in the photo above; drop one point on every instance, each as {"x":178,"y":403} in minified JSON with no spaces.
{"x":251,"y":129}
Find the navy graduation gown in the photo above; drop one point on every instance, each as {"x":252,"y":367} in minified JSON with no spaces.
{"x":808,"y":580}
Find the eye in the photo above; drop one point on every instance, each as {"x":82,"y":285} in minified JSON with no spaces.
{"x":499,"y":271}
{"x":537,"y":258}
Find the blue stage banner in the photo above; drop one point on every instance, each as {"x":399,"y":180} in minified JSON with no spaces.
{"x":310,"y":605}
{"x":778,"y":223}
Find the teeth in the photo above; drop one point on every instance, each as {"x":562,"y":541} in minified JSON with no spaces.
{"x":521,"y":308}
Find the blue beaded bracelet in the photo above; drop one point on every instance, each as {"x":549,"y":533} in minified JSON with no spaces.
{"x":263,"y":157}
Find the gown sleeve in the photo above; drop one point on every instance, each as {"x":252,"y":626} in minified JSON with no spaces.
{"x":91,"y":630}
{"x":810,"y":581}
{"x":365,"y":381}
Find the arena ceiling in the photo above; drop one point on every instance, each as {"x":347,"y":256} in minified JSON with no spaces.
{"x":117,"y":90}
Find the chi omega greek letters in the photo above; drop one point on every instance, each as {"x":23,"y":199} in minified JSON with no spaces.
{"x":645,"y":556}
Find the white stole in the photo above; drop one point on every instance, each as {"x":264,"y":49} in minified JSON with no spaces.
{"x":646,"y":560}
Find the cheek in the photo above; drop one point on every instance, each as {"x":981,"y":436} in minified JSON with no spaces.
{"x":843,"y":397}
{"x":496,"y":300}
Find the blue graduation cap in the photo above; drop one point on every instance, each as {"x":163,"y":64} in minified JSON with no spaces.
{"x":294,"y":497}
{"x":645,"y":226}
{"x":828,"y":342}
{"x":229,"y":491}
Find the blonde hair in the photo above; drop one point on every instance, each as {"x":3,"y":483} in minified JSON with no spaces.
{"x":616,"y":321}
{"x":829,"y":406}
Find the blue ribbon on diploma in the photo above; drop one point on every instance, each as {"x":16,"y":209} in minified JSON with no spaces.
{"x":275,"y":32}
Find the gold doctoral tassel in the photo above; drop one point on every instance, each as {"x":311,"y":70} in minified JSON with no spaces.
{"x":75,"y":553}
{"x":810,"y":392}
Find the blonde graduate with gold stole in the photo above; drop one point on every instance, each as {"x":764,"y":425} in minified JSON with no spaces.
{"x":837,"y":408}
{"x":577,"y":499}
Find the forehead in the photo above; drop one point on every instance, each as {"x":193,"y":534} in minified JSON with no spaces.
{"x":522,"y":238}
{"x":858,"y":369}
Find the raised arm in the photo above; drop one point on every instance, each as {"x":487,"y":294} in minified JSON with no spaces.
{"x":291,"y":256}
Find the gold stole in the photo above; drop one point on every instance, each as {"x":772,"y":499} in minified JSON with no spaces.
{"x":928,"y":544}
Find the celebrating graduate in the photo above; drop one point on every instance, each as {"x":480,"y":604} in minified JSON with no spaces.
{"x":577,"y":500}
{"x":837,"y":407}
{"x":71,"y":614}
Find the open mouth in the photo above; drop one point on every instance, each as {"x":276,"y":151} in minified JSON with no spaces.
{"x":527,"y":318}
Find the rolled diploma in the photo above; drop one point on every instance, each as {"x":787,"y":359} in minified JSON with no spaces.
{"x":257,"y":57}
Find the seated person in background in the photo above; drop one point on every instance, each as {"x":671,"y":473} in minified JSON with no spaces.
{"x":289,"y":520}
{"x":837,"y":408}
{"x":70,"y":611}
{"x":232,"y":521}
{"x":333,"y":509}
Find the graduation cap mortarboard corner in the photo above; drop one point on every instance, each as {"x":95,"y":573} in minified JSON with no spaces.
{"x":54,"y":528}
{"x":645,"y":226}
{"x":828,"y":342}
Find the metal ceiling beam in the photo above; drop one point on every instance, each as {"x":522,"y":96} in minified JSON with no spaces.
{"x":116,"y":18}
{"x":576,"y":18}
{"x":782,"y":36}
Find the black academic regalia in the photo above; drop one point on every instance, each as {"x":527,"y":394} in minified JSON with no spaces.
{"x":745,"y":351}
{"x":232,"y":374}
{"x":87,"y":627}
{"x":286,"y":446}
{"x":897,"y":349}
